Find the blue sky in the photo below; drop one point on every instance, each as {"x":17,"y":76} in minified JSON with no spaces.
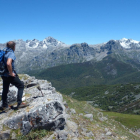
{"x":70,"y":21}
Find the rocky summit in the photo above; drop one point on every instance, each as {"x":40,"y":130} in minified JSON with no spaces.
{"x":53,"y":116}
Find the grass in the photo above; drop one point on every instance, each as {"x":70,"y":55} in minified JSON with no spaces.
{"x":27,"y":95}
{"x":98,"y":127}
{"x":36,"y":134}
{"x":23,"y":76}
{"x":119,"y":97}
{"x":129,"y":120}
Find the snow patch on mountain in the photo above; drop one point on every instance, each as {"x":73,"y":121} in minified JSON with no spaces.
{"x":45,"y":46}
{"x":128,"y":43}
{"x":48,"y":42}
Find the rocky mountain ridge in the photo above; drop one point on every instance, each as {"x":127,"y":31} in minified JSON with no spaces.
{"x":56,"y":117}
{"x":129,"y":43}
{"x":37,"y":55}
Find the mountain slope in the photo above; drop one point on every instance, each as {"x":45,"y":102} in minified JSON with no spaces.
{"x":124,"y":98}
{"x":107,"y":71}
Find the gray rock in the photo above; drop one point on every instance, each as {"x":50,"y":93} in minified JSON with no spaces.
{"x":46,"y":86}
{"x":50,"y":138}
{"x":62,"y":135}
{"x":86,"y":112}
{"x":72,"y":111}
{"x":12,"y":95}
{"x":49,"y":116}
{"x":84,"y":130}
{"x":108,"y":133}
{"x":5,"y":135}
{"x":89,"y":134}
{"x":67,"y":116}
{"x":81,"y":114}
{"x":100,"y":114}
{"x":71,"y":125}
{"x":74,"y":138}
{"x":101,"y":117}
{"x":13,"y":136}
{"x":33,"y":91}
{"x":106,"y":129}
{"x":90,"y":116}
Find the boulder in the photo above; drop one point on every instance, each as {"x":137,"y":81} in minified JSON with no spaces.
{"x":72,"y":111}
{"x":90,"y":116}
{"x":42,"y":115}
{"x":108,"y":133}
{"x":101,"y":117}
{"x":43,"y":112}
{"x":71,"y":125}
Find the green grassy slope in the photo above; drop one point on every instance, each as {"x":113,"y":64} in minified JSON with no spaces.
{"x":120,"y":98}
{"x":129,"y":120}
{"x":107,"y":71}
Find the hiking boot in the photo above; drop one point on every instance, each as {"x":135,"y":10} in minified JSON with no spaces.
{"x":2,"y":108}
{"x":22,"y":105}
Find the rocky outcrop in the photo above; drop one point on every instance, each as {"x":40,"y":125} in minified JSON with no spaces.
{"x":45,"y":109}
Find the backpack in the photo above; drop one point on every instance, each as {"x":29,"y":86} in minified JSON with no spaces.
{"x":2,"y":64}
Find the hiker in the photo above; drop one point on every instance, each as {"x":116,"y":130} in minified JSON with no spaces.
{"x":10,"y":77}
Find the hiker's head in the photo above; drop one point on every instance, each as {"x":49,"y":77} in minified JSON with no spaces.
{"x":11,"y":44}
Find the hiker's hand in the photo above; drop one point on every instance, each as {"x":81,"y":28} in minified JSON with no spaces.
{"x":12,"y":74}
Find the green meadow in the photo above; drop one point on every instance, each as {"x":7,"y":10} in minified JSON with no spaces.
{"x":129,"y":120}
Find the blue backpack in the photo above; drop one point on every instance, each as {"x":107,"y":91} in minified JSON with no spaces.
{"x":2,"y":64}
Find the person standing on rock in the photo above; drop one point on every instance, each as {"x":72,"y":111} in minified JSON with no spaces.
{"x":10,"y":77}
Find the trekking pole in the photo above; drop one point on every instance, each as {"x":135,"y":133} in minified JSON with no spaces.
{"x":38,"y":87}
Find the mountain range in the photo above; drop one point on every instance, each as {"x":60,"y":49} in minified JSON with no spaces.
{"x":38,"y":55}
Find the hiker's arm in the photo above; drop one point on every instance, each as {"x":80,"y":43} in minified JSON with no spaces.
{"x":9,"y":66}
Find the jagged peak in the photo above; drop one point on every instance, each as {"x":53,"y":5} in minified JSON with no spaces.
{"x":128,"y":40}
{"x":49,"y":38}
{"x":34,"y":40}
{"x":126,"y":43}
{"x":123,"y":39}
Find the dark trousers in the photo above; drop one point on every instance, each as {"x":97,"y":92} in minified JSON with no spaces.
{"x":16,"y":82}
